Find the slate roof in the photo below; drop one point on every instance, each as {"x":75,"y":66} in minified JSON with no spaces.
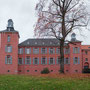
{"x":40,"y":42}
{"x":43,"y":42}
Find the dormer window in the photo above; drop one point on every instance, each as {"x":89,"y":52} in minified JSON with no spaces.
{"x":8,"y":38}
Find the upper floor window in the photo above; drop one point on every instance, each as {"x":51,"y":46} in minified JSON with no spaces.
{"x":66,"y":50}
{"x":35,"y":50}
{"x":20,"y":51}
{"x":86,"y":52}
{"x":20,"y":61}
{"x":35,"y":60}
{"x":76,"y":50}
{"x":67,"y":60}
{"x":8,"y":48}
{"x":51,"y":50}
{"x":58,"y":50}
{"x":27,"y":60}
{"x":51,"y":61}
{"x":58,"y":60}
{"x":43,"y":50}
{"x":27,"y":50}
{"x":76,"y":60}
{"x":43,"y":60}
{"x":86,"y":59}
{"x":8,"y":59}
{"x":8,"y":38}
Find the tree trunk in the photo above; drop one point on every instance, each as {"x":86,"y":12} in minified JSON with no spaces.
{"x":62,"y":56}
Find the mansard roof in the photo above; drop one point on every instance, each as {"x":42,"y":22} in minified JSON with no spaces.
{"x":41,"y":42}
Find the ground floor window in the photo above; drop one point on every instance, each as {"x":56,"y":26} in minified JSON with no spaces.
{"x":20,"y":61}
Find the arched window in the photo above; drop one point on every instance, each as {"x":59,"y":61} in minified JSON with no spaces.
{"x":8,"y":38}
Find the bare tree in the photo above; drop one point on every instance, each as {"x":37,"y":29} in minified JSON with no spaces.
{"x":58,"y":18}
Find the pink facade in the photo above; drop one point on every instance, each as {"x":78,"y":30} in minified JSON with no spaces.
{"x":33,"y":55}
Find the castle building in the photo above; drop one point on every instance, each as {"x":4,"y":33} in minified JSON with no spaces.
{"x":33,"y":55}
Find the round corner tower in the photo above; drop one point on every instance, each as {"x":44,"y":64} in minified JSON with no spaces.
{"x":9,"y":40}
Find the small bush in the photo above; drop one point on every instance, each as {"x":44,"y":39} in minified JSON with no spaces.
{"x":86,"y":70}
{"x":45,"y":71}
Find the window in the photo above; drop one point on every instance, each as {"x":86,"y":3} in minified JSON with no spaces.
{"x":36,"y":61}
{"x":8,"y":49}
{"x":51,"y":70}
{"x":35,"y":70}
{"x":27,"y":60}
{"x":43,"y":60}
{"x":86,"y":52}
{"x":58,"y":50}
{"x":27,"y":70}
{"x":58,"y":60}
{"x":66,"y":50}
{"x":51,"y":61}
{"x":20,"y":61}
{"x":27,"y":50}
{"x":67,"y":61}
{"x":20,"y":70}
{"x":43,"y":50}
{"x":51,"y":50}
{"x":76,"y":70}
{"x":8,"y":59}
{"x":76,"y":60}
{"x":8,"y":71}
{"x":35,"y":50}
{"x":86,"y":59}
{"x":76,"y":50}
{"x":20,"y":51}
{"x":8,"y":38}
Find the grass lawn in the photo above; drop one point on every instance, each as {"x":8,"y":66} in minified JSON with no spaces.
{"x":45,"y":82}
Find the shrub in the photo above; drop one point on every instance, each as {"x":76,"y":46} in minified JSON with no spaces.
{"x":86,"y":70}
{"x":45,"y":71}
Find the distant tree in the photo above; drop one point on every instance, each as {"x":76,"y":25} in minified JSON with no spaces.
{"x":58,"y":18}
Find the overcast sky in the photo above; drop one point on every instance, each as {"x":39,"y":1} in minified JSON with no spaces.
{"x":22,"y":12}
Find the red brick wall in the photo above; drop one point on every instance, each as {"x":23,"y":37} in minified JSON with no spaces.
{"x":14,"y":43}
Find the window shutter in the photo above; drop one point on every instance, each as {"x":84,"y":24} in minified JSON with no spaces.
{"x":64,"y":60}
{"x":38,"y":60}
{"x":49,"y":50}
{"x":78,"y":60}
{"x":74,"y":60}
{"x":30,"y":60}
{"x":41,"y":50}
{"x":5,"y":59}
{"x":25,"y":61}
{"x":6,"y":48}
{"x":22,"y":61}
{"x":25,"y":50}
{"x":78,"y":50}
{"x":33,"y":51}
{"x":53,"y":60}
{"x":73,"y":50}
{"x":69,"y":60}
{"x":29,"y":50}
{"x":45,"y":50}
{"x":56,"y":50}
{"x":33,"y":60}
{"x":38,"y":50}
{"x":11,"y":49}
{"x":41,"y":60}
{"x":49,"y":60}
{"x":53,"y":50}
{"x":46,"y":60}
{"x":57,"y":60}
{"x":11,"y":60}
{"x":18,"y":60}
{"x":64,"y":51}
